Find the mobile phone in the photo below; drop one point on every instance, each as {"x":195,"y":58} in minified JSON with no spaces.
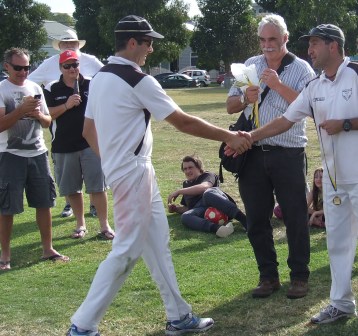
{"x":38,"y":96}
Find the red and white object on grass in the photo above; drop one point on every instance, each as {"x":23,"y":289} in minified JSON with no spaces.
{"x":216,"y":216}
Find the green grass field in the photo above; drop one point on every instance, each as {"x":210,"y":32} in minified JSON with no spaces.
{"x":215,"y":275}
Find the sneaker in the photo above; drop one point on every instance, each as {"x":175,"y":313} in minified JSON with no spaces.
{"x":266,"y":287}
{"x":225,"y":230}
{"x":93,"y":211}
{"x":73,"y":331}
{"x":330,"y":314}
{"x":67,"y":211}
{"x":190,"y":323}
{"x":298,"y":289}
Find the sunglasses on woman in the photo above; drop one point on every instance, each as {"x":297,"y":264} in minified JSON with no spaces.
{"x":70,"y":65}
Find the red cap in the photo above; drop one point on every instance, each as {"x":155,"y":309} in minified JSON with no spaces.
{"x":68,"y":55}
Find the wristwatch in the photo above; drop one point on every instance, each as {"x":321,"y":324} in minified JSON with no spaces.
{"x":243,"y":100}
{"x":347,"y":125}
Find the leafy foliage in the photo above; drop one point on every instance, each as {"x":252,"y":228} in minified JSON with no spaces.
{"x":87,"y":28}
{"x":20,"y":26}
{"x":299,"y":21}
{"x":224,"y":33}
{"x":96,"y":20}
{"x":63,"y":18}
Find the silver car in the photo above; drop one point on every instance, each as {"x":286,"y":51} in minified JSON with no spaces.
{"x":201,"y":75}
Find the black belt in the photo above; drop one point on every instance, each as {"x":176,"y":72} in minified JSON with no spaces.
{"x":267,"y":148}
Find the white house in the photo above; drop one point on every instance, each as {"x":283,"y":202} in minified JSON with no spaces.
{"x":54,"y":30}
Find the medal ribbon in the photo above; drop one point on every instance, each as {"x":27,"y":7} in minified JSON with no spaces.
{"x":333,"y":181}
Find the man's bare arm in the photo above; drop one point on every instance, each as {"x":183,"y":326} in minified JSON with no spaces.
{"x":198,"y":127}
{"x":9,"y":119}
{"x":275,"y":127}
{"x":90,"y":134}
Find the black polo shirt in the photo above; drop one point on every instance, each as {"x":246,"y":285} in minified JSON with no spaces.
{"x":67,"y":129}
{"x":191,"y":200}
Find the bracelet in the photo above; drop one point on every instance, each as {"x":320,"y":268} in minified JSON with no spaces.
{"x":245,"y":100}
{"x":65,"y":106}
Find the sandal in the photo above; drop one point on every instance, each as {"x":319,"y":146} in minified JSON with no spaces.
{"x":5,"y":265}
{"x":56,"y":257}
{"x":78,"y":233}
{"x":106,"y":234}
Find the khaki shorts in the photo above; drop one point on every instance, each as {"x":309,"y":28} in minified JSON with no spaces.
{"x":72,"y":169}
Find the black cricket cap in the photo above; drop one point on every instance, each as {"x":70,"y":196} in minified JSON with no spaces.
{"x":136,"y":25}
{"x":326,"y":32}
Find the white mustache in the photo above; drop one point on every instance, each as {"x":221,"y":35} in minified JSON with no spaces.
{"x":268,"y":49}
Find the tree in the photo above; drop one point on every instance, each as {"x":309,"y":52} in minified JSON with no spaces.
{"x":63,"y":18}
{"x":299,"y":21}
{"x":19,"y":25}
{"x":226,"y":33}
{"x":96,"y":20}
{"x":87,"y":27}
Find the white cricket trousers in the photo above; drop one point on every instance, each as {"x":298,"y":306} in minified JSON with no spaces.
{"x":342,"y":229}
{"x":141,"y":229}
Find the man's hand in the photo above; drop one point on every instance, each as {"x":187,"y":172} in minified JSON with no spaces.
{"x":240,"y":144}
{"x":270,"y":78}
{"x":173,"y":196}
{"x":30,"y":106}
{"x":73,"y":100}
{"x":172,"y":208}
{"x":252,"y":94}
{"x":332,"y":126}
{"x":35,"y":114}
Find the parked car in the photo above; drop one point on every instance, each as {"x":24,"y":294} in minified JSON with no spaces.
{"x":3,"y":76}
{"x":201,"y":75}
{"x":178,"y":81}
{"x":221,"y":77}
{"x":162,"y":75}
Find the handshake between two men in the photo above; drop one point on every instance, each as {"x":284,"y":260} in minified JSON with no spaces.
{"x":245,"y":143}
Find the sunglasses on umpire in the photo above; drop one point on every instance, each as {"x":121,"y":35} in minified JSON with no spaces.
{"x":20,"y":67}
{"x":70,"y":65}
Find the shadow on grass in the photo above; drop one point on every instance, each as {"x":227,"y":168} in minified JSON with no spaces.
{"x":277,"y":315}
{"x":318,"y":233}
{"x":26,"y":254}
{"x":239,"y":315}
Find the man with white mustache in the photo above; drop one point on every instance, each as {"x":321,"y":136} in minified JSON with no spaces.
{"x":48,"y":71}
{"x":275,"y":165}
{"x":329,"y":99}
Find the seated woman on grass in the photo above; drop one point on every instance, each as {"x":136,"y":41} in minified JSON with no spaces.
{"x":315,"y":201}
{"x":200,"y":191}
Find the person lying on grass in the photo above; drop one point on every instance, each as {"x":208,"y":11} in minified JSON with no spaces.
{"x":199,"y":192}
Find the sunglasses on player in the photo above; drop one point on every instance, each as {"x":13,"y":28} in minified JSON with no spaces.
{"x":148,"y":42}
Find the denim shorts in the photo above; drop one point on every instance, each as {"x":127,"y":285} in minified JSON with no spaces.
{"x":31,"y":174}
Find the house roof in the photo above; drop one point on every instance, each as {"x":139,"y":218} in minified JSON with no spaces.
{"x":55,"y":29}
